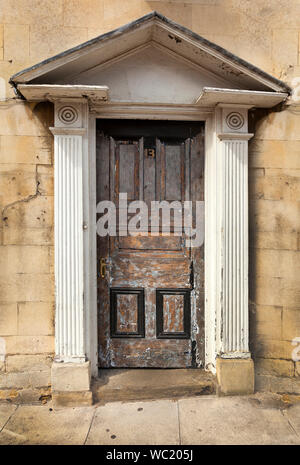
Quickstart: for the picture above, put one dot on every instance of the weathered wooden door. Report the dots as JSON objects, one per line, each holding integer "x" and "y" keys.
{"x": 150, "y": 287}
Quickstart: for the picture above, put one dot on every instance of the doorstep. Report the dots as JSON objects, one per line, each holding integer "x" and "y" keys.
{"x": 129, "y": 384}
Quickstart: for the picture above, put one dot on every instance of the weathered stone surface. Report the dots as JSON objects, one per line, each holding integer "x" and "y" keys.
{"x": 111, "y": 423}
{"x": 214, "y": 19}
{"x": 20, "y": 12}
{"x": 274, "y": 216}
{"x": 16, "y": 39}
{"x": 147, "y": 384}
{"x": 8, "y": 319}
{"x": 235, "y": 376}
{"x": 70, "y": 376}
{"x": 59, "y": 38}
{"x": 31, "y": 212}
{"x": 36, "y": 318}
{"x": 20, "y": 363}
{"x": 23, "y": 119}
{"x": 29, "y": 345}
{"x": 282, "y": 385}
{"x": 26, "y": 144}
{"x": 26, "y": 149}
{"x": 72, "y": 399}
{"x": 30, "y": 379}
{"x": 16, "y": 182}
{"x": 274, "y": 291}
{"x": 291, "y": 323}
{"x": 73, "y": 16}
{"x": 269, "y": 348}
{"x": 244, "y": 420}
{"x": 273, "y": 240}
{"x": 45, "y": 178}
{"x": 29, "y": 259}
{"x": 22, "y": 287}
{"x": 28, "y": 236}
{"x": 266, "y": 321}
{"x": 274, "y": 367}
{"x": 274, "y": 153}
{"x": 6, "y": 411}
{"x": 39, "y": 425}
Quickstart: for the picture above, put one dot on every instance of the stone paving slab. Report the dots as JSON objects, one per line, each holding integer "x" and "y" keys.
{"x": 6, "y": 410}
{"x": 42, "y": 425}
{"x": 136, "y": 423}
{"x": 234, "y": 420}
{"x": 293, "y": 415}
{"x": 256, "y": 419}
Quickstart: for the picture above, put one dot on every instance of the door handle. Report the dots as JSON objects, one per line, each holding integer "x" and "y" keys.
{"x": 102, "y": 268}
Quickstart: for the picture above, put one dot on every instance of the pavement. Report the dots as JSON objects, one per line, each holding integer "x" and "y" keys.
{"x": 257, "y": 419}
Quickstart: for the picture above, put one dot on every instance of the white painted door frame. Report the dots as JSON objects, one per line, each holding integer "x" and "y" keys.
{"x": 226, "y": 226}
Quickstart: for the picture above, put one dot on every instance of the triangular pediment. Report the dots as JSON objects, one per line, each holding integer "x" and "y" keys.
{"x": 150, "y": 73}
{"x": 152, "y": 60}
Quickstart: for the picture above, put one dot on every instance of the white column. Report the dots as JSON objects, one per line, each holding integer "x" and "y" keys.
{"x": 233, "y": 159}
{"x": 68, "y": 201}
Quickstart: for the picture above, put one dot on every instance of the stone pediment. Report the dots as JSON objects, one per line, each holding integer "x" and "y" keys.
{"x": 151, "y": 60}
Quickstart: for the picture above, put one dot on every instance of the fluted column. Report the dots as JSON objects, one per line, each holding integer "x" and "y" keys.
{"x": 68, "y": 199}
{"x": 233, "y": 158}
{"x": 234, "y": 366}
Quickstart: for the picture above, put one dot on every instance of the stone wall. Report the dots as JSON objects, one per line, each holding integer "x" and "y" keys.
{"x": 264, "y": 33}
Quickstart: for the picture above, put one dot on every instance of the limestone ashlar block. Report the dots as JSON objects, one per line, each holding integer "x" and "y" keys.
{"x": 274, "y": 367}
{"x": 72, "y": 399}
{"x": 215, "y": 19}
{"x": 23, "y": 380}
{"x": 33, "y": 287}
{"x": 88, "y": 15}
{"x": 24, "y": 363}
{"x": 70, "y": 376}
{"x": 25, "y": 119}
{"x": 274, "y": 240}
{"x": 266, "y": 321}
{"x": 16, "y": 42}
{"x": 235, "y": 376}
{"x": 276, "y": 263}
{"x": 277, "y": 184}
{"x": 59, "y": 38}
{"x": 274, "y": 216}
{"x": 274, "y": 153}
{"x": 31, "y": 12}
{"x": 278, "y": 384}
{"x": 28, "y": 236}
{"x": 30, "y": 345}
{"x": 291, "y": 323}
{"x": 8, "y": 319}
{"x": 272, "y": 349}
{"x": 31, "y": 212}
{"x": 36, "y": 318}
{"x": 26, "y": 149}
{"x": 281, "y": 125}
{"x": 17, "y": 182}
{"x": 24, "y": 259}
{"x": 45, "y": 178}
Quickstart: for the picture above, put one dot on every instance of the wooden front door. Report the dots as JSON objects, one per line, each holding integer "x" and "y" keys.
{"x": 150, "y": 286}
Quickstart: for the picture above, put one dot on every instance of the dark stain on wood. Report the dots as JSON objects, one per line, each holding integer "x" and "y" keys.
{"x": 151, "y": 263}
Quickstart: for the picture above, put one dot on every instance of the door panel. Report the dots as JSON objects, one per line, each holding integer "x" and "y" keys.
{"x": 151, "y": 298}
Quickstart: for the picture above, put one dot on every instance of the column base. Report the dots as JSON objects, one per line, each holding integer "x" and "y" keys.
{"x": 71, "y": 384}
{"x": 235, "y": 376}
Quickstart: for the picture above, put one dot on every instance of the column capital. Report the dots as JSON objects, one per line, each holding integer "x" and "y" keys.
{"x": 233, "y": 119}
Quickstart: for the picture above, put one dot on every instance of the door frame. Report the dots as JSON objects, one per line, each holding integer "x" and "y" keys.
{"x": 181, "y": 113}
{"x": 226, "y": 226}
